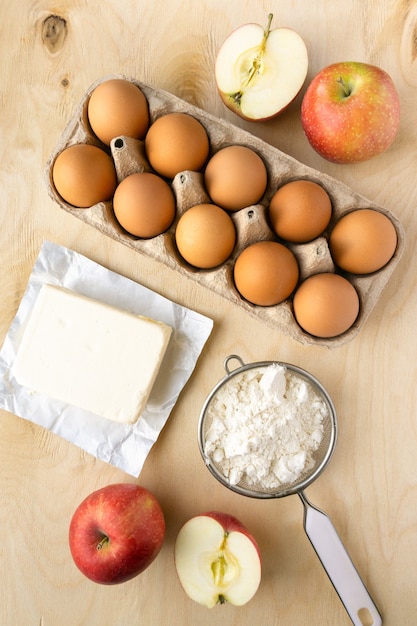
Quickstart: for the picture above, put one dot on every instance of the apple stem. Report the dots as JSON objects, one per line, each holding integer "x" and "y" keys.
{"x": 346, "y": 90}
{"x": 256, "y": 63}
{"x": 268, "y": 29}
{"x": 102, "y": 543}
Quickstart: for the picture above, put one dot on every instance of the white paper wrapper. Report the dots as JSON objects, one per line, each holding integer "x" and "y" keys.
{"x": 125, "y": 446}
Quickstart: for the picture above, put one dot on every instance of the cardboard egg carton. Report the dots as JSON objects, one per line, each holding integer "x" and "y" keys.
{"x": 251, "y": 222}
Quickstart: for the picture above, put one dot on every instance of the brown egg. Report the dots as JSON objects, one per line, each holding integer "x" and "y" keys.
{"x": 235, "y": 177}
{"x": 176, "y": 142}
{"x": 326, "y": 305}
{"x": 266, "y": 273}
{"x": 84, "y": 175}
{"x": 300, "y": 211}
{"x": 363, "y": 241}
{"x": 118, "y": 107}
{"x": 144, "y": 205}
{"x": 205, "y": 236}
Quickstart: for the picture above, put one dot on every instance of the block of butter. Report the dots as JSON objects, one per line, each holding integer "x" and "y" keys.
{"x": 90, "y": 355}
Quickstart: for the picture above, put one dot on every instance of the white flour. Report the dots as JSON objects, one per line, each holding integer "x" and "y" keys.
{"x": 266, "y": 424}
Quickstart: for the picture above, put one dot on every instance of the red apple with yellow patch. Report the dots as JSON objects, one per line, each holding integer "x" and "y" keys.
{"x": 116, "y": 533}
{"x": 350, "y": 112}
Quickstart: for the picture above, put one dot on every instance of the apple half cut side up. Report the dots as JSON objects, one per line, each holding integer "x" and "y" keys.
{"x": 260, "y": 72}
{"x": 217, "y": 565}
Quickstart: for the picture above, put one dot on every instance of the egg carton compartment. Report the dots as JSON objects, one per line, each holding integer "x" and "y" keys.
{"x": 251, "y": 222}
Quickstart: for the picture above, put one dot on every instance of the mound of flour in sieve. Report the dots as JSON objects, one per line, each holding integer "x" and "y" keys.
{"x": 266, "y": 424}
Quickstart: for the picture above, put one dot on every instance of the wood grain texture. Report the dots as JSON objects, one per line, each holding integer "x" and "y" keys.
{"x": 51, "y": 53}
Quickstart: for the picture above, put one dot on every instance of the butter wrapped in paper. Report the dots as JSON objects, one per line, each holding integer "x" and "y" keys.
{"x": 125, "y": 446}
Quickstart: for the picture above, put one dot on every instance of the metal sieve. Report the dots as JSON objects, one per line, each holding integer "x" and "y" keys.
{"x": 317, "y": 525}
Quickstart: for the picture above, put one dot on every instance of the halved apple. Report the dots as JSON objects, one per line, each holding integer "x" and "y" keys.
{"x": 260, "y": 72}
{"x": 217, "y": 560}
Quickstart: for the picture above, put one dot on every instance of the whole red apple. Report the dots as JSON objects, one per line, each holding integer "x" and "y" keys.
{"x": 116, "y": 532}
{"x": 350, "y": 112}
{"x": 217, "y": 560}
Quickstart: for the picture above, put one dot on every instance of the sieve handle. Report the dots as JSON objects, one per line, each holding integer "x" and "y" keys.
{"x": 339, "y": 567}
{"x": 232, "y": 357}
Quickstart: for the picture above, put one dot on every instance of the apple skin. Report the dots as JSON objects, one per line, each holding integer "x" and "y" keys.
{"x": 217, "y": 560}
{"x": 259, "y": 72}
{"x": 231, "y": 524}
{"x": 116, "y": 533}
{"x": 354, "y": 121}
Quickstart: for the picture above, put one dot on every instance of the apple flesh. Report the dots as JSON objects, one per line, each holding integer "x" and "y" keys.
{"x": 217, "y": 560}
{"x": 260, "y": 72}
{"x": 350, "y": 112}
{"x": 116, "y": 533}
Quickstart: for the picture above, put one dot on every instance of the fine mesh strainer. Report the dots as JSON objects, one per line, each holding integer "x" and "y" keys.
{"x": 317, "y": 525}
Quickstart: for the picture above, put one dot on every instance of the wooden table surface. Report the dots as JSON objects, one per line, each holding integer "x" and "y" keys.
{"x": 51, "y": 53}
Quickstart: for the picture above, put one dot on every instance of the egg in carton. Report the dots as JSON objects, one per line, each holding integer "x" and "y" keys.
{"x": 251, "y": 223}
